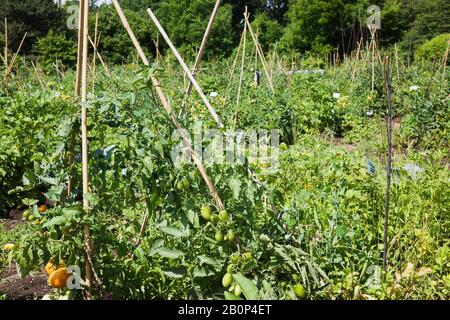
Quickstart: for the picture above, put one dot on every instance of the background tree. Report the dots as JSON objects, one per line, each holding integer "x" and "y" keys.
{"x": 37, "y": 17}
{"x": 115, "y": 44}
{"x": 431, "y": 18}
{"x": 314, "y": 24}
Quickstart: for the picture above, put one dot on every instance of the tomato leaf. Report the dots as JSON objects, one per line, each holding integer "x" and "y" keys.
{"x": 169, "y": 253}
{"x": 29, "y": 202}
{"x": 177, "y": 233}
{"x": 249, "y": 289}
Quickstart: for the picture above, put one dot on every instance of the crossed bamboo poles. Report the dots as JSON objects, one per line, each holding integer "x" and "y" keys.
{"x": 81, "y": 86}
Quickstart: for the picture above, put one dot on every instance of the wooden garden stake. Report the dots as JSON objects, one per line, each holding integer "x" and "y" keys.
{"x": 445, "y": 59}
{"x": 244, "y": 36}
{"x": 389, "y": 159}
{"x": 201, "y": 52}
{"x": 37, "y": 75}
{"x": 185, "y": 68}
{"x": 80, "y": 48}
{"x": 84, "y": 143}
{"x": 105, "y": 67}
{"x": 6, "y": 44}
{"x": 13, "y": 61}
{"x": 396, "y": 62}
{"x": 77, "y": 88}
{"x": 94, "y": 44}
{"x": 166, "y": 106}
{"x": 260, "y": 52}
{"x": 232, "y": 70}
{"x": 372, "y": 44}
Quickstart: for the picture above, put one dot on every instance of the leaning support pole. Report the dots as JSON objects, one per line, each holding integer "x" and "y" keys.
{"x": 389, "y": 158}
{"x": 241, "y": 76}
{"x": 13, "y": 61}
{"x": 84, "y": 144}
{"x": 201, "y": 52}
{"x": 105, "y": 67}
{"x": 94, "y": 58}
{"x": 166, "y": 106}
{"x": 260, "y": 53}
{"x": 185, "y": 68}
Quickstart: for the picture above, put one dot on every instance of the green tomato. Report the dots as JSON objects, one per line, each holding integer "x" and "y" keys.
{"x": 230, "y": 268}
{"x": 283, "y": 146}
{"x": 206, "y": 213}
{"x": 227, "y": 280}
{"x": 183, "y": 184}
{"x": 237, "y": 290}
{"x": 214, "y": 219}
{"x": 230, "y": 235}
{"x": 219, "y": 236}
{"x": 31, "y": 217}
{"x": 248, "y": 256}
{"x": 299, "y": 291}
{"x": 223, "y": 216}
{"x": 234, "y": 259}
{"x": 26, "y": 214}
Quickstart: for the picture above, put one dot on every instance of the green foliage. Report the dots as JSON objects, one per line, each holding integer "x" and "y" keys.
{"x": 313, "y": 24}
{"x": 115, "y": 44}
{"x": 431, "y": 19}
{"x": 139, "y": 5}
{"x": 269, "y": 31}
{"x": 326, "y": 232}
{"x": 434, "y": 49}
{"x": 56, "y": 49}
{"x": 185, "y": 21}
{"x": 36, "y": 17}
{"x": 29, "y": 124}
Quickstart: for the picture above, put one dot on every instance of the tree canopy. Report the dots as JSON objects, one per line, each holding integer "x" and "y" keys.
{"x": 295, "y": 26}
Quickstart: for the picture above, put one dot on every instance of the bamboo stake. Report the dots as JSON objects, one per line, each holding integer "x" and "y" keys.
{"x": 243, "y": 60}
{"x": 389, "y": 159}
{"x": 445, "y": 60}
{"x": 13, "y": 61}
{"x": 186, "y": 69}
{"x": 372, "y": 43}
{"x": 37, "y": 75}
{"x": 261, "y": 55}
{"x": 166, "y": 106}
{"x": 80, "y": 48}
{"x": 233, "y": 68}
{"x": 396, "y": 62}
{"x": 84, "y": 146}
{"x": 3, "y": 59}
{"x": 201, "y": 51}
{"x": 6, "y": 43}
{"x": 94, "y": 44}
{"x": 356, "y": 60}
{"x": 77, "y": 87}
{"x": 105, "y": 67}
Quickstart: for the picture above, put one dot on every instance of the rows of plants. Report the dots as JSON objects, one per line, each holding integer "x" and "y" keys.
{"x": 324, "y": 240}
